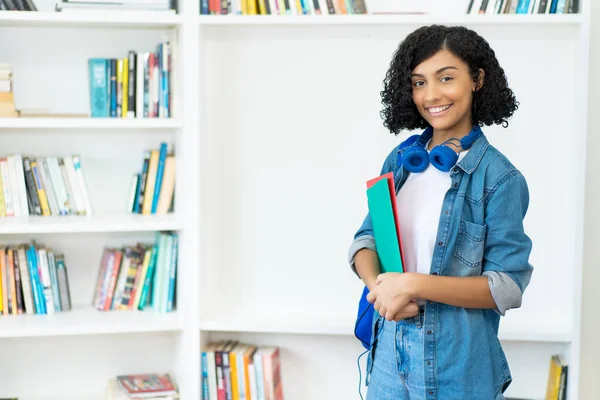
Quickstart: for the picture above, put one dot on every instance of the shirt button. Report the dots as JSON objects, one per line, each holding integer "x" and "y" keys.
{"x": 435, "y": 273}
{"x": 428, "y": 362}
{"x": 446, "y": 212}
{"x": 440, "y": 243}
{"x": 431, "y": 392}
{"x": 456, "y": 185}
{"x": 429, "y": 332}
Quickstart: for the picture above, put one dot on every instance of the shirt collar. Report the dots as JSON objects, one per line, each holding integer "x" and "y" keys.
{"x": 472, "y": 159}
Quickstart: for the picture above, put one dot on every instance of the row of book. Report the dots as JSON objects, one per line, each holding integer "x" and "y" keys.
{"x": 138, "y": 277}
{"x": 33, "y": 280}
{"x": 152, "y": 189}
{"x": 557, "y": 378}
{"x": 237, "y": 370}
{"x": 136, "y": 86}
{"x": 282, "y": 7}
{"x": 143, "y": 386}
{"x": 523, "y": 7}
{"x": 17, "y": 5}
{"x": 43, "y": 186}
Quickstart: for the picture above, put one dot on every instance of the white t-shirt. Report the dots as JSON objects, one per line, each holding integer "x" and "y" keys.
{"x": 419, "y": 204}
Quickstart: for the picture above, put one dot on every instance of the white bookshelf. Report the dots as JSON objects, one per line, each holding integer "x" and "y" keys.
{"x": 261, "y": 259}
{"x": 88, "y": 321}
{"x": 88, "y": 123}
{"x": 384, "y": 19}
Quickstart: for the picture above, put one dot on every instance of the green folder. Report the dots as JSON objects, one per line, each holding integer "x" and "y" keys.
{"x": 384, "y": 226}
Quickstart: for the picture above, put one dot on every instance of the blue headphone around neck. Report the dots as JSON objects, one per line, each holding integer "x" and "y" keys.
{"x": 416, "y": 158}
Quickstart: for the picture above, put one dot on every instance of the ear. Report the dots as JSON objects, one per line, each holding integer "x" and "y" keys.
{"x": 478, "y": 80}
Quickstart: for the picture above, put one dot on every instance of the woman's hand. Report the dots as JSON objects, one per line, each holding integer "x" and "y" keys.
{"x": 392, "y": 294}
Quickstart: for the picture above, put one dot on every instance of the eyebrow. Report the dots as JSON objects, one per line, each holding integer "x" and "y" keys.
{"x": 439, "y": 71}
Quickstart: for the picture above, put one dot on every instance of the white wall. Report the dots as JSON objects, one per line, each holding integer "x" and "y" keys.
{"x": 590, "y": 347}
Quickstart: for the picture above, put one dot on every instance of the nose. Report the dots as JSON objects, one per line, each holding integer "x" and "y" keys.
{"x": 432, "y": 93}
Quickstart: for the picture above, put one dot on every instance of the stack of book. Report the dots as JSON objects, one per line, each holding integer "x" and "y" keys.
{"x": 136, "y": 86}
{"x": 123, "y": 5}
{"x": 236, "y": 370}
{"x": 283, "y": 7}
{"x": 143, "y": 386}
{"x": 152, "y": 188}
{"x": 44, "y": 186}
{"x": 523, "y": 7}
{"x": 138, "y": 277}
{"x": 7, "y": 96}
{"x": 33, "y": 280}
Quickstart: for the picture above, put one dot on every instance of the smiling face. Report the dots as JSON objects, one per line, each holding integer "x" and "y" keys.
{"x": 443, "y": 92}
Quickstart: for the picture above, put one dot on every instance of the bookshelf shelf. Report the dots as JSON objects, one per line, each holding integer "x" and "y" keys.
{"x": 87, "y": 321}
{"x": 396, "y": 19}
{"x": 88, "y": 123}
{"x": 92, "y": 19}
{"x": 88, "y": 224}
{"x": 344, "y": 326}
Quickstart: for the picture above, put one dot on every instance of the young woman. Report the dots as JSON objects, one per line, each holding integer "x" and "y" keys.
{"x": 461, "y": 205}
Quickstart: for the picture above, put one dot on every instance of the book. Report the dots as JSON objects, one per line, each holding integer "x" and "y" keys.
{"x": 381, "y": 196}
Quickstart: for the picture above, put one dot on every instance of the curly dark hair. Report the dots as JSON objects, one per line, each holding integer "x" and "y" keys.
{"x": 493, "y": 103}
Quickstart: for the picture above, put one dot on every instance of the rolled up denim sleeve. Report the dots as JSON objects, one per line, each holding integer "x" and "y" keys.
{"x": 507, "y": 247}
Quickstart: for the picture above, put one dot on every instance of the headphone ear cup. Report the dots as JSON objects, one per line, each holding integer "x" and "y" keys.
{"x": 443, "y": 158}
{"x": 416, "y": 159}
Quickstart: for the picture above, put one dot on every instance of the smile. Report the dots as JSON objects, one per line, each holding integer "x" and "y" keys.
{"x": 435, "y": 111}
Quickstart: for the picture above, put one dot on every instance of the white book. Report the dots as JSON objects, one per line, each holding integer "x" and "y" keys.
{"x": 73, "y": 181}
{"x": 14, "y": 187}
{"x": 62, "y": 197}
{"x": 68, "y": 187}
{"x": 48, "y": 186}
{"x": 6, "y": 187}
{"x": 82, "y": 186}
{"x": 22, "y": 188}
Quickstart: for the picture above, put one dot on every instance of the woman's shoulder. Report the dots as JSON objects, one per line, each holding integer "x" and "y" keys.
{"x": 496, "y": 168}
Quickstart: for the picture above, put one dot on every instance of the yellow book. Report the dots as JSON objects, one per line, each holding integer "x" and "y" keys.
{"x": 140, "y": 284}
{"x": 125, "y": 87}
{"x": 10, "y": 265}
{"x": 40, "y": 189}
{"x": 150, "y": 182}
{"x": 119, "y": 87}
{"x": 2, "y": 280}
{"x": 251, "y": 7}
{"x": 235, "y": 393}
{"x": 554, "y": 377}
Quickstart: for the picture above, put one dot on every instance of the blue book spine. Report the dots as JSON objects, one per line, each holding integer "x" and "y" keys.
{"x": 38, "y": 277}
{"x": 99, "y": 77}
{"x": 553, "y": 6}
{"x": 165, "y": 78}
{"x": 149, "y": 277}
{"x": 54, "y": 281}
{"x": 173, "y": 273}
{"x": 33, "y": 282}
{"x": 113, "y": 87}
{"x": 523, "y": 6}
{"x": 159, "y": 175}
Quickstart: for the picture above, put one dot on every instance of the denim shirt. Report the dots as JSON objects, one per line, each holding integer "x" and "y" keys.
{"x": 480, "y": 232}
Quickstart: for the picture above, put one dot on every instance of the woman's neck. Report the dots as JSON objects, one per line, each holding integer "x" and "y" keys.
{"x": 458, "y": 131}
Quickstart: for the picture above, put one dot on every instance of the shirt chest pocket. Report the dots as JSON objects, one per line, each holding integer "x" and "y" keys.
{"x": 470, "y": 244}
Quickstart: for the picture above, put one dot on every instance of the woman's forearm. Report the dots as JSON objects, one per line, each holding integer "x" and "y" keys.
{"x": 465, "y": 292}
{"x": 367, "y": 266}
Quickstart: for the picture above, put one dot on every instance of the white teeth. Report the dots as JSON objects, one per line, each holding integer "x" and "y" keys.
{"x": 438, "y": 109}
